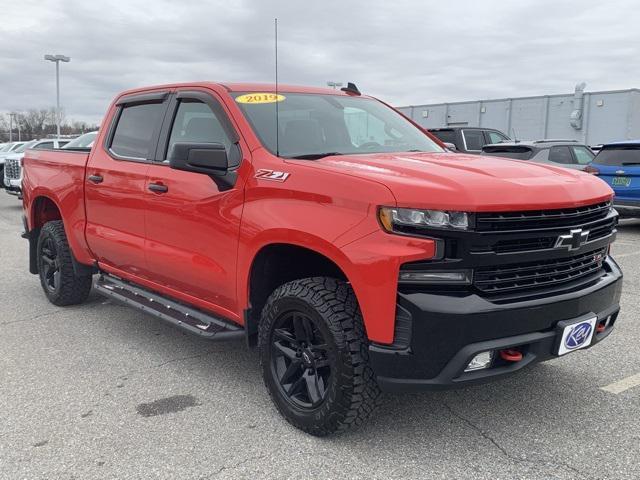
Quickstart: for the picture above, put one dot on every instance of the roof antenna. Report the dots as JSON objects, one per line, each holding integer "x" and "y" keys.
{"x": 351, "y": 89}
{"x": 277, "y": 98}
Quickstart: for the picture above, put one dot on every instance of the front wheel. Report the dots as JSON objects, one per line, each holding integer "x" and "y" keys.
{"x": 59, "y": 281}
{"x": 314, "y": 356}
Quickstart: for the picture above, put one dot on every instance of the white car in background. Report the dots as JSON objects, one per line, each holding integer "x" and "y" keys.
{"x": 83, "y": 142}
{"x": 13, "y": 162}
{"x": 7, "y": 149}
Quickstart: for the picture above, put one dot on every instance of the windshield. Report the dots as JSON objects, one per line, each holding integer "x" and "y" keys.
{"x": 618, "y": 156}
{"x": 5, "y": 147}
{"x": 83, "y": 141}
{"x": 313, "y": 126}
{"x": 22, "y": 148}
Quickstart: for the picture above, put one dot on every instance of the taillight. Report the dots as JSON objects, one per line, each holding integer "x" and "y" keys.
{"x": 592, "y": 170}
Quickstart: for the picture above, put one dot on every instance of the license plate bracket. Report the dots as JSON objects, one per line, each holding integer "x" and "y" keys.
{"x": 575, "y": 334}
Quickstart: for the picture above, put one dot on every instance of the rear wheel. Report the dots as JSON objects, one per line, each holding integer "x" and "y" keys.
{"x": 314, "y": 356}
{"x": 55, "y": 266}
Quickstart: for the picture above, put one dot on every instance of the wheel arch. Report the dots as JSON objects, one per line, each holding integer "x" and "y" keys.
{"x": 280, "y": 261}
{"x": 44, "y": 209}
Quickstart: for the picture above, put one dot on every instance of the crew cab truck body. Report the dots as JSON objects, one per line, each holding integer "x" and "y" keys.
{"x": 331, "y": 231}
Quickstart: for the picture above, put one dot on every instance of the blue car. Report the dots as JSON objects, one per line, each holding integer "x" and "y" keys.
{"x": 618, "y": 164}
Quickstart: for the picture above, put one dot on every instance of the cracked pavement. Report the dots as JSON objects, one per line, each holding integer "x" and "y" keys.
{"x": 72, "y": 381}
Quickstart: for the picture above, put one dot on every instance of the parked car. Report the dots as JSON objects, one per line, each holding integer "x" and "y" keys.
{"x": 469, "y": 139}
{"x": 84, "y": 141}
{"x": 352, "y": 249}
{"x": 618, "y": 164}
{"x": 7, "y": 149}
{"x": 12, "y": 174}
{"x": 562, "y": 153}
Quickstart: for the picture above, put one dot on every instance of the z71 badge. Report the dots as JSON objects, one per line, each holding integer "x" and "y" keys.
{"x": 272, "y": 175}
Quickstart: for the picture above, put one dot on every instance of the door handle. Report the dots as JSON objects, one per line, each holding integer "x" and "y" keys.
{"x": 158, "y": 188}
{"x": 95, "y": 178}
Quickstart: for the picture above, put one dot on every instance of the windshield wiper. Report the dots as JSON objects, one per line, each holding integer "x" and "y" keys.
{"x": 630, "y": 163}
{"x": 316, "y": 156}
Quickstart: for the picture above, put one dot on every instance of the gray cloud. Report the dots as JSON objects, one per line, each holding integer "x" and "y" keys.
{"x": 405, "y": 52}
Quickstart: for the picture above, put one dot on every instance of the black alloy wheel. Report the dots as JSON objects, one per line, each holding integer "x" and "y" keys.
{"x": 49, "y": 265}
{"x": 299, "y": 360}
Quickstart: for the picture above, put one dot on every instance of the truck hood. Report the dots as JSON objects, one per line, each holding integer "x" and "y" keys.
{"x": 474, "y": 183}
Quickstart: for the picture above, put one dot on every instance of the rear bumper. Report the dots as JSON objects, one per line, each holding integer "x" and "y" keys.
{"x": 627, "y": 208}
{"x": 448, "y": 331}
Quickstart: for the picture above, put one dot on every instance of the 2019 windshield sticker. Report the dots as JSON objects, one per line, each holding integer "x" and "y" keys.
{"x": 260, "y": 98}
{"x": 272, "y": 175}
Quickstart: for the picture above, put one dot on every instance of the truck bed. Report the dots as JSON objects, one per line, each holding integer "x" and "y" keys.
{"x": 58, "y": 175}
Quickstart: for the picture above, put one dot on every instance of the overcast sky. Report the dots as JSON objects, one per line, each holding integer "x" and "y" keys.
{"x": 405, "y": 52}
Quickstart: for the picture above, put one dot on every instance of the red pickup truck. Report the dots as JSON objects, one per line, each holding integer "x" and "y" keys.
{"x": 329, "y": 230}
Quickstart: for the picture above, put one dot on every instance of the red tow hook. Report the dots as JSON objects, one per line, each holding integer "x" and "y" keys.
{"x": 601, "y": 327}
{"x": 511, "y": 355}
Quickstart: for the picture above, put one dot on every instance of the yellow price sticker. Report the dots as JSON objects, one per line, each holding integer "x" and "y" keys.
{"x": 260, "y": 98}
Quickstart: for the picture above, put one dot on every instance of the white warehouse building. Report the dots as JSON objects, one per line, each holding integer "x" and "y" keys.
{"x": 589, "y": 117}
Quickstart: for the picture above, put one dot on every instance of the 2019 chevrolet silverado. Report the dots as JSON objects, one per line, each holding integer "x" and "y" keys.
{"x": 332, "y": 232}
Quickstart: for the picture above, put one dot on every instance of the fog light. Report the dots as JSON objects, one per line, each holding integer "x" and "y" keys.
{"x": 480, "y": 361}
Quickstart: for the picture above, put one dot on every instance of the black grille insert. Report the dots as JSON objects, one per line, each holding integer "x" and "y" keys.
{"x": 541, "y": 219}
{"x": 533, "y": 275}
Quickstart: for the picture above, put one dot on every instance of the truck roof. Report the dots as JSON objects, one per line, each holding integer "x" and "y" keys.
{"x": 242, "y": 87}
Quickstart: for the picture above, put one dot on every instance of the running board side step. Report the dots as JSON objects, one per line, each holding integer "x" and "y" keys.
{"x": 186, "y": 318}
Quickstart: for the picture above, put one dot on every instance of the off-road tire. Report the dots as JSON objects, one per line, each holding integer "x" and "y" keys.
{"x": 68, "y": 288}
{"x": 351, "y": 392}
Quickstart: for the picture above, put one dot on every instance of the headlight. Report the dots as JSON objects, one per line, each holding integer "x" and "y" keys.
{"x": 394, "y": 219}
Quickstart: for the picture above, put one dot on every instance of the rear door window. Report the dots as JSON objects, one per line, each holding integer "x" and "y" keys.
{"x": 618, "y": 157}
{"x": 473, "y": 139}
{"x": 560, "y": 154}
{"x": 136, "y": 129}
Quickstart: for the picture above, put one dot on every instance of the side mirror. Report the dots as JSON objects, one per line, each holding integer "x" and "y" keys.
{"x": 450, "y": 146}
{"x": 208, "y": 158}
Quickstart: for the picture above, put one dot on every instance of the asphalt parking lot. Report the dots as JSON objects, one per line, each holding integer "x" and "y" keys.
{"x": 102, "y": 391}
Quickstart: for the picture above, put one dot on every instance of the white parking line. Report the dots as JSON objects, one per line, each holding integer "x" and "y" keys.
{"x": 622, "y": 385}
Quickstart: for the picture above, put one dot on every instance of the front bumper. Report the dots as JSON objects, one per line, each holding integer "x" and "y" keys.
{"x": 448, "y": 330}
{"x": 627, "y": 208}
{"x": 13, "y": 187}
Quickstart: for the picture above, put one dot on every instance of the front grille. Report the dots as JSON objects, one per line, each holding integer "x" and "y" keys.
{"x": 535, "y": 275}
{"x": 547, "y": 239}
{"x": 12, "y": 169}
{"x": 541, "y": 219}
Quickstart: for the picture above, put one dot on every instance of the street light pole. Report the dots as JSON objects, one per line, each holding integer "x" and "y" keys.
{"x": 11, "y": 127}
{"x": 57, "y": 59}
